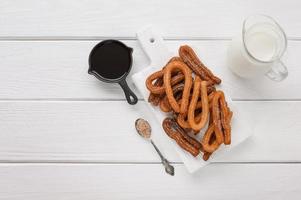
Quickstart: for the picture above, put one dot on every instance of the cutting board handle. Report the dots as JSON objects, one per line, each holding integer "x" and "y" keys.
{"x": 153, "y": 45}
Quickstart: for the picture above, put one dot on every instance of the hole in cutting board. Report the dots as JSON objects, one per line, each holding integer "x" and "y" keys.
{"x": 152, "y": 40}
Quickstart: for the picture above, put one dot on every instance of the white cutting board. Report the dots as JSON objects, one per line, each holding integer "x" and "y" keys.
{"x": 158, "y": 53}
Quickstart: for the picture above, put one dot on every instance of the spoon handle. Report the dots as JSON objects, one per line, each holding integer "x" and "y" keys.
{"x": 168, "y": 168}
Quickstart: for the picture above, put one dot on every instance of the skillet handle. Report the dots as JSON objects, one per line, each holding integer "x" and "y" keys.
{"x": 129, "y": 94}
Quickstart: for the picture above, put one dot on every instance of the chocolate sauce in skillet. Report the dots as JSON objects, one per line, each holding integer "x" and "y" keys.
{"x": 111, "y": 61}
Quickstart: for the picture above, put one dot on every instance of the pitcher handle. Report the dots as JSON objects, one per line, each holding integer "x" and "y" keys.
{"x": 278, "y": 72}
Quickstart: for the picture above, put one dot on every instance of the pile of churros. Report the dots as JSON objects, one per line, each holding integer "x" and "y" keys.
{"x": 185, "y": 88}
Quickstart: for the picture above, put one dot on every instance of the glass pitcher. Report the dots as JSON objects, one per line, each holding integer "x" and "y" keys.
{"x": 258, "y": 50}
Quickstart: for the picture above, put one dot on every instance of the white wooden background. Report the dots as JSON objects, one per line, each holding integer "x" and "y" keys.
{"x": 65, "y": 135}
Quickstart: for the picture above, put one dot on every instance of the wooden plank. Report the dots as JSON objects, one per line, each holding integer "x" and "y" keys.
{"x": 136, "y": 181}
{"x": 104, "y": 132}
{"x": 96, "y": 18}
{"x": 58, "y": 70}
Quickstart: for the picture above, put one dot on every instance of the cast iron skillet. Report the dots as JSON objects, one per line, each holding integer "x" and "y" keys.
{"x": 111, "y": 61}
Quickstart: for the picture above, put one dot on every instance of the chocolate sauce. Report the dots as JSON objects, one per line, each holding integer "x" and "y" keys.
{"x": 111, "y": 60}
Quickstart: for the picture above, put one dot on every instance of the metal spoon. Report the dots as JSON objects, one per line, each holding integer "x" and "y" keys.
{"x": 144, "y": 130}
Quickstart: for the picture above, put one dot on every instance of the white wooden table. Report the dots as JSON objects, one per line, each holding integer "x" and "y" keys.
{"x": 65, "y": 135}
